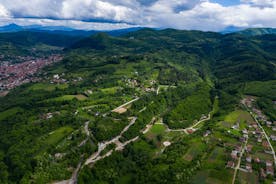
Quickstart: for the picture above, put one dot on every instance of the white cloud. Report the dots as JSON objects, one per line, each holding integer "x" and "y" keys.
{"x": 76, "y": 24}
{"x": 181, "y": 14}
{"x": 32, "y": 8}
{"x": 4, "y": 12}
{"x": 209, "y": 16}
{"x": 95, "y": 9}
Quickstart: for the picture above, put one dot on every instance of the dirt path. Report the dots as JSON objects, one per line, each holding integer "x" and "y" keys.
{"x": 86, "y": 128}
{"x": 148, "y": 126}
{"x": 101, "y": 146}
{"x": 191, "y": 127}
{"x": 119, "y": 146}
{"x": 74, "y": 177}
{"x": 125, "y": 104}
{"x": 157, "y": 91}
{"x": 116, "y": 140}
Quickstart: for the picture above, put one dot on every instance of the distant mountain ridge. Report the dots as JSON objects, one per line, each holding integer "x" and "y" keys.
{"x": 63, "y": 30}
{"x": 11, "y": 28}
{"x": 248, "y": 31}
{"x": 258, "y": 31}
{"x": 232, "y": 29}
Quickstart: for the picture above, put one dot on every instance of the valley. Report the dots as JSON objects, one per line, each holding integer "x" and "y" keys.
{"x": 150, "y": 106}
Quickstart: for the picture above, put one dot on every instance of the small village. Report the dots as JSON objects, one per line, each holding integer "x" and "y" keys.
{"x": 254, "y": 153}
{"x": 13, "y": 75}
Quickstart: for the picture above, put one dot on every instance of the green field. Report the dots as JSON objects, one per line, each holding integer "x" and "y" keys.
{"x": 217, "y": 155}
{"x": 196, "y": 149}
{"x": 9, "y": 113}
{"x": 213, "y": 177}
{"x": 111, "y": 90}
{"x": 69, "y": 97}
{"x": 157, "y": 129}
{"x": 246, "y": 178}
{"x": 237, "y": 116}
{"x": 47, "y": 87}
{"x": 54, "y": 137}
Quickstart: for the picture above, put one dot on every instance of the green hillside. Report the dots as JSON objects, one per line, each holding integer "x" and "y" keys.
{"x": 183, "y": 83}
{"x": 33, "y": 43}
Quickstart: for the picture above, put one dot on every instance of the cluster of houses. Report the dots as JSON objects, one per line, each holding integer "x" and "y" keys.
{"x": 49, "y": 115}
{"x": 252, "y": 132}
{"x": 248, "y": 101}
{"x": 13, "y": 75}
{"x": 135, "y": 83}
{"x": 131, "y": 82}
{"x": 234, "y": 156}
{"x": 59, "y": 79}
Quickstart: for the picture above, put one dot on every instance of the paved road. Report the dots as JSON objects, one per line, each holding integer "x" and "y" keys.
{"x": 239, "y": 162}
{"x": 267, "y": 138}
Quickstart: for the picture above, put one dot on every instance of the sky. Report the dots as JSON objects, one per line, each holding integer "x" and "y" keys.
{"x": 206, "y": 15}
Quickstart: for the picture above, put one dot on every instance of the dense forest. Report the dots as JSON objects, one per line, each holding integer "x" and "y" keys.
{"x": 177, "y": 78}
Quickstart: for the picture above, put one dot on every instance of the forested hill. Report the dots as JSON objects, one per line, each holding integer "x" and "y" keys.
{"x": 26, "y": 43}
{"x": 232, "y": 57}
{"x": 258, "y": 31}
{"x": 151, "y": 106}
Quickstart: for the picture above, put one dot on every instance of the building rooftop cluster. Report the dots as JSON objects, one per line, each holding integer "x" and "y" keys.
{"x": 13, "y": 75}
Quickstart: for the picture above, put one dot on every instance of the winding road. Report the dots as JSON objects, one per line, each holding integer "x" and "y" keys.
{"x": 190, "y": 128}
{"x": 119, "y": 146}
{"x": 116, "y": 140}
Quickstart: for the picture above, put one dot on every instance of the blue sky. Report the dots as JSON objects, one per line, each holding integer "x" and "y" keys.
{"x": 227, "y": 2}
{"x": 206, "y": 15}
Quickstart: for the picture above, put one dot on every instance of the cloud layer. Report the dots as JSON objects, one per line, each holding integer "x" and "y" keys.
{"x": 112, "y": 14}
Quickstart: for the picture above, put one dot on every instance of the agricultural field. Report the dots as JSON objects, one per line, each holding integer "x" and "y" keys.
{"x": 69, "y": 97}
{"x": 48, "y": 87}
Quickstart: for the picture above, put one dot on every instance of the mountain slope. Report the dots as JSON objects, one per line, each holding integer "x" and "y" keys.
{"x": 146, "y": 107}
{"x": 26, "y": 43}
{"x": 258, "y": 31}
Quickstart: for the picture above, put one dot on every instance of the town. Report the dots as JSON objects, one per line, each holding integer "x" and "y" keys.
{"x": 13, "y": 74}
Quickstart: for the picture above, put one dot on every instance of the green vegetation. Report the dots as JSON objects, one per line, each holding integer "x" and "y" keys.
{"x": 238, "y": 116}
{"x": 47, "y": 128}
{"x": 69, "y": 97}
{"x": 268, "y": 107}
{"x": 261, "y": 89}
{"x": 54, "y": 137}
{"x": 190, "y": 109}
{"x": 47, "y": 87}
{"x": 9, "y": 113}
{"x": 27, "y": 43}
